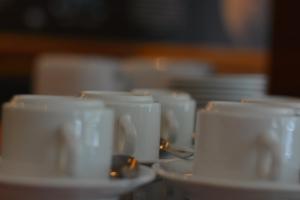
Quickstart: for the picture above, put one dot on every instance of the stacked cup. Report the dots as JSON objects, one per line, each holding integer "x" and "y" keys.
{"x": 247, "y": 142}
{"x": 59, "y": 147}
{"x": 137, "y": 121}
{"x": 57, "y": 136}
{"x": 177, "y": 116}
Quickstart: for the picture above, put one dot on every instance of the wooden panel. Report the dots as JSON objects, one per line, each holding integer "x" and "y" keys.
{"x": 19, "y": 52}
{"x": 15, "y": 65}
{"x": 225, "y": 60}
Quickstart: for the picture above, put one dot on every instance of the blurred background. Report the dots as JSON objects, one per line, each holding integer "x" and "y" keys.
{"x": 126, "y": 39}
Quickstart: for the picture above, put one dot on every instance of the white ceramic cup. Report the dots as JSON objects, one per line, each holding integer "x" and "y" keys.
{"x": 247, "y": 142}
{"x": 51, "y": 135}
{"x": 137, "y": 123}
{"x": 178, "y": 115}
{"x": 67, "y": 74}
{"x": 277, "y": 101}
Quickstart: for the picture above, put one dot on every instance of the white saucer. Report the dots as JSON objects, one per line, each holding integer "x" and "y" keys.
{"x": 15, "y": 187}
{"x": 179, "y": 174}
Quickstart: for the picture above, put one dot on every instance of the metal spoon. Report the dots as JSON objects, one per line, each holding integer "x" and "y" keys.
{"x": 165, "y": 147}
{"x": 124, "y": 166}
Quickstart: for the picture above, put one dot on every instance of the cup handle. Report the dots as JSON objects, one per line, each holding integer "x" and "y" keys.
{"x": 70, "y": 144}
{"x": 128, "y": 135}
{"x": 171, "y": 125}
{"x": 268, "y": 146}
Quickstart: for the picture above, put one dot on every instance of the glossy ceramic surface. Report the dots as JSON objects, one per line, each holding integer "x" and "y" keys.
{"x": 144, "y": 115}
{"x": 158, "y": 72}
{"x": 277, "y": 101}
{"x": 178, "y": 173}
{"x": 75, "y": 73}
{"x": 61, "y": 135}
{"x": 178, "y": 113}
{"x": 17, "y": 186}
{"x": 247, "y": 142}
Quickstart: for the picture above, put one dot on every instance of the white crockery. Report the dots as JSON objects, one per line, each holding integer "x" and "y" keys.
{"x": 226, "y": 81}
{"x": 276, "y": 101}
{"x": 137, "y": 123}
{"x": 247, "y": 142}
{"x": 179, "y": 174}
{"x": 247, "y": 109}
{"x": 158, "y": 72}
{"x": 57, "y": 136}
{"x": 67, "y": 74}
{"x": 16, "y": 186}
{"x": 178, "y": 113}
{"x": 224, "y": 87}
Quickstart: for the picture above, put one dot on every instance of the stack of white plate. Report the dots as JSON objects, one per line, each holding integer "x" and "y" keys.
{"x": 222, "y": 87}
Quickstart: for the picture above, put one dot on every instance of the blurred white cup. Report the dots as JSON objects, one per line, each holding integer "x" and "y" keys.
{"x": 63, "y": 74}
{"x": 158, "y": 72}
{"x": 137, "y": 121}
{"x": 178, "y": 115}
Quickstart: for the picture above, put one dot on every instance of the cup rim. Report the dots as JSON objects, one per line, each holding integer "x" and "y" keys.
{"x": 244, "y": 109}
{"x": 151, "y": 91}
{"x": 291, "y": 103}
{"x": 67, "y": 61}
{"x": 164, "y": 95}
{"x": 32, "y": 101}
{"x": 175, "y": 96}
{"x": 117, "y": 96}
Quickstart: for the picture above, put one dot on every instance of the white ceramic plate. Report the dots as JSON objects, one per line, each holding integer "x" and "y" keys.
{"x": 223, "y": 81}
{"x": 179, "y": 174}
{"x": 236, "y": 97}
{"x": 237, "y": 86}
{"x": 220, "y": 91}
{"x": 227, "y": 94}
{"x": 230, "y": 78}
{"x": 15, "y": 187}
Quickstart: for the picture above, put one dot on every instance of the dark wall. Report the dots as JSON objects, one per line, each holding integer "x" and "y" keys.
{"x": 285, "y": 51}
{"x": 10, "y": 86}
{"x": 143, "y": 20}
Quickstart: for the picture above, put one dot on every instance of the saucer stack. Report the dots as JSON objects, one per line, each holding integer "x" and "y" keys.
{"x": 222, "y": 87}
